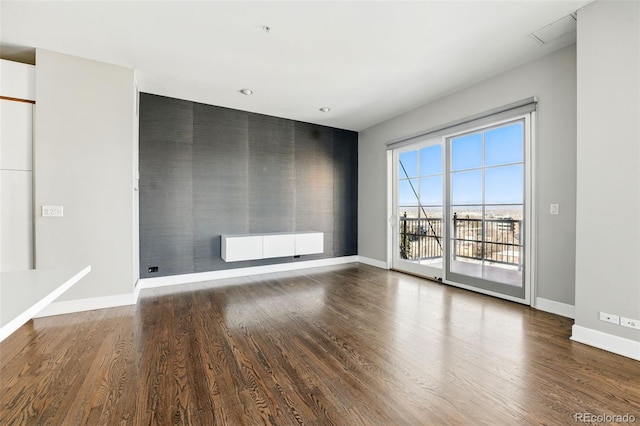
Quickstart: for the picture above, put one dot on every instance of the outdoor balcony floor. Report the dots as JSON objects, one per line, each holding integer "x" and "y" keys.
{"x": 506, "y": 274}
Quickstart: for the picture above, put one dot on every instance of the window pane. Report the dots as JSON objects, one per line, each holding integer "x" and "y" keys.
{"x": 407, "y": 190}
{"x": 409, "y": 211}
{"x": 504, "y": 244}
{"x": 466, "y": 240}
{"x": 431, "y": 191}
{"x": 504, "y": 145}
{"x": 431, "y": 160}
{"x": 466, "y": 152}
{"x": 504, "y": 185}
{"x": 408, "y": 164}
{"x": 514, "y": 211}
{"x": 466, "y": 187}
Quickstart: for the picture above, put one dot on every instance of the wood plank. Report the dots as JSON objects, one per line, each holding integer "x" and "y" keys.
{"x": 342, "y": 345}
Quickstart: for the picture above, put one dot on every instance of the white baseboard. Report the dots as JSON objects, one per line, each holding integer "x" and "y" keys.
{"x": 80, "y": 305}
{"x": 88, "y": 304}
{"x": 242, "y": 272}
{"x": 136, "y": 290}
{"x": 558, "y": 308}
{"x": 608, "y": 342}
{"x": 373, "y": 262}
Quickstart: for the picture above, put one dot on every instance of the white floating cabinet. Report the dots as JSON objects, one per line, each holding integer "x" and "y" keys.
{"x": 241, "y": 247}
{"x": 267, "y": 246}
{"x": 309, "y": 243}
{"x": 278, "y": 245}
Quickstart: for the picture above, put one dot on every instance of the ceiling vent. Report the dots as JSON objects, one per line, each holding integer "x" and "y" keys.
{"x": 563, "y": 28}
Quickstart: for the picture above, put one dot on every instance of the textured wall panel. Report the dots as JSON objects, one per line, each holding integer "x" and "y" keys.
{"x": 207, "y": 171}
{"x": 166, "y": 225}
{"x": 345, "y": 192}
{"x": 220, "y": 181}
{"x": 314, "y": 181}
{"x": 271, "y": 175}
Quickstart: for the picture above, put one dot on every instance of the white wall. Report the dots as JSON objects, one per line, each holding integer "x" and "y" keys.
{"x": 84, "y": 160}
{"x": 553, "y": 80}
{"x": 608, "y": 220}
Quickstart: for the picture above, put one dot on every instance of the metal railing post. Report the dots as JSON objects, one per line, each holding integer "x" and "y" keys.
{"x": 455, "y": 235}
{"x": 405, "y": 253}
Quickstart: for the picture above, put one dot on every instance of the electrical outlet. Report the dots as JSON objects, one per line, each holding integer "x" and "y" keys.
{"x": 52, "y": 211}
{"x": 613, "y": 319}
{"x": 631, "y": 323}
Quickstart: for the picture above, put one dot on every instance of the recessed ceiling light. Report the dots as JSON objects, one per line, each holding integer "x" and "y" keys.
{"x": 325, "y": 109}
{"x": 246, "y": 91}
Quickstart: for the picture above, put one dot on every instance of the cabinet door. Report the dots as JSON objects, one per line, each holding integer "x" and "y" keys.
{"x": 278, "y": 245}
{"x": 16, "y": 191}
{"x": 309, "y": 243}
{"x": 16, "y": 135}
{"x": 241, "y": 247}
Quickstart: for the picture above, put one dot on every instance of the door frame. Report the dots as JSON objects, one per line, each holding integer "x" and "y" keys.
{"x": 530, "y": 225}
{"x": 394, "y": 261}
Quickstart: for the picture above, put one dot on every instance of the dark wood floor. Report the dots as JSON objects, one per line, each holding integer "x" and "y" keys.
{"x": 347, "y": 345}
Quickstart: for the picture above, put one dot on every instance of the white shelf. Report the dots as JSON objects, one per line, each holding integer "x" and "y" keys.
{"x": 25, "y": 293}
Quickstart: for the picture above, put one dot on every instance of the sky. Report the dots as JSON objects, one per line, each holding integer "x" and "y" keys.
{"x": 499, "y": 160}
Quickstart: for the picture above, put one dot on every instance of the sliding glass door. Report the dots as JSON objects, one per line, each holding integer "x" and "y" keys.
{"x": 460, "y": 208}
{"x": 418, "y": 216}
{"x": 486, "y": 208}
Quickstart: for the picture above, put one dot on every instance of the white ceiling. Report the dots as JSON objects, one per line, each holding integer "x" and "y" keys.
{"x": 367, "y": 61}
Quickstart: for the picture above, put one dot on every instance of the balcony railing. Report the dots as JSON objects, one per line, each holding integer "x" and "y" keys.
{"x": 421, "y": 239}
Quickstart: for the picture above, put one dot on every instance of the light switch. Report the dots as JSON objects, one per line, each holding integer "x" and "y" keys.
{"x": 52, "y": 211}
{"x": 554, "y": 209}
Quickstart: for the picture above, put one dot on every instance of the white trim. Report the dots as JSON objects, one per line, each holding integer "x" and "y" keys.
{"x": 80, "y": 305}
{"x": 89, "y": 304}
{"x": 558, "y": 308}
{"x": 242, "y": 272}
{"x": 391, "y": 206}
{"x": 531, "y": 247}
{"x": 608, "y": 342}
{"x": 136, "y": 291}
{"x": 373, "y": 262}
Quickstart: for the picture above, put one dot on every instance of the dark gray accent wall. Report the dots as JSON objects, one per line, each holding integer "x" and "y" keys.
{"x": 207, "y": 171}
{"x": 166, "y": 186}
{"x": 314, "y": 181}
{"x": 271, "y": 165}
{"x": 345, "y": 191}
{"x": 219, "y": 187}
